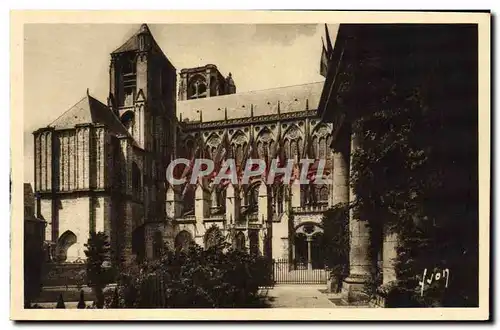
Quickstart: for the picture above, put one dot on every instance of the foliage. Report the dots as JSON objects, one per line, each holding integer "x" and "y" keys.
{"x": 34, "y": 263}
{"x": 410, "y": 178}
{"x": 335, "y": 223}
{"x": 198, "y": 278}
{"x": 98, "y": 253}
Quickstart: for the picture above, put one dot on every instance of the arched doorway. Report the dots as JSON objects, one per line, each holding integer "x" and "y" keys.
{"x": 67, "y": 239}
{"x": 183, "y": 241}
{"x": 308, "y": 246}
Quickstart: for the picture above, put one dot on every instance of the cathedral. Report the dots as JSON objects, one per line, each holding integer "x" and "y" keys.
{"x": 101, "y": 166}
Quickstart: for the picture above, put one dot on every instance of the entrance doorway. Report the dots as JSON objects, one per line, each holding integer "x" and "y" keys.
{"x": 307, "y": 250}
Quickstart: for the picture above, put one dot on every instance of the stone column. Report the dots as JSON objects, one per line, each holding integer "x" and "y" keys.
{"x": 202, "y": 204}
{"x": 359, "y": 242}
{"x": 295, "y": 198}
{"x": 340, "y": 183}
{"x": 232, "y": 204}
{"x": 389, "y": 254}
{"x": 263, "y": 204}
{"x": 309, "y": 253}
{"x": 174, "y": 204}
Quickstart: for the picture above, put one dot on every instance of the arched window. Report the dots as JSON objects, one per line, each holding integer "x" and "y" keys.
{"x": 322, "y": 194}
{"x": 239, "y": 241}
{"x": 183, "y": 241}
{"x": 188, "y": 199}
{"x": 253, "y": 198}
{"x": 253, "y": 238}
{"x": 127, "y": 120}
{"x": 213, "y": 237}
{"x": 67, "y": 239}
{"x": 197, "y": 88}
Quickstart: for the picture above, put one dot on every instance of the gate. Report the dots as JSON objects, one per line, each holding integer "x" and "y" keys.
{"x": 286, "y": 272}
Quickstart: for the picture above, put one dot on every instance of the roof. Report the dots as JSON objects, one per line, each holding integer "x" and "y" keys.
{"x": 132, "y": 43}
{"x": 263, "y": 102}
{"x": 89, "y": 111}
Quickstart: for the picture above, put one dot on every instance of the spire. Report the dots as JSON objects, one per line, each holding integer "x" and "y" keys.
{"x": 225, "y": 113}
{"x": 144, "y": 29}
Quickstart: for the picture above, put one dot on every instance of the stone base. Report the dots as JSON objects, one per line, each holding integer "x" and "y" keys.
{"x": 353, "y": 289}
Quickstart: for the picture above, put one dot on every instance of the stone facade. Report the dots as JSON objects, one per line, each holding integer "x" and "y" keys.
{"x": 101, "y": 167}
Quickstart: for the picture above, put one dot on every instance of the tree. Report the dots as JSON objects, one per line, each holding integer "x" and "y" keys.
{"x": 416, "y": 171}
{"x": 98, "y": 276}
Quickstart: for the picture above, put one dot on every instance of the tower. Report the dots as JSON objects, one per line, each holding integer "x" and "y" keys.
{"x": 204, "y": 82}
{"x": 142, "y": 95}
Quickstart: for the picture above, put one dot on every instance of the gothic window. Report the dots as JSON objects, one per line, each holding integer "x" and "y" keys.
{"x": 279, "y": 198}
{"x": 127, "y": 120}
{"x": 129, "y": 80}
{"x": 239, "y": 241}
{"x": 315, "y": 147}
{"x": 188, "y": 201}
{"x": 213, "y": 237}
{"x": 67, "y": 239}
{"x": 322, "y": 194}
{"x": 322, "y": 148}
{"x": 253, "y": 198}
{"x": 221, "y": 198}
{"x": 294, "y": 151}
{"x": 287, "y": 149}
{"x": 197, "y": 88}
{"x": 183, "y": 241}
{"x": 253, "y": 237}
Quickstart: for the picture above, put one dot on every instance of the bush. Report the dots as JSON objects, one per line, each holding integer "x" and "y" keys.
{"x": 199, "y": 278}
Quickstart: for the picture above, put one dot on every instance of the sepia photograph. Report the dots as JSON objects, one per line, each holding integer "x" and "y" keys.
{"x": 330, "y": 165}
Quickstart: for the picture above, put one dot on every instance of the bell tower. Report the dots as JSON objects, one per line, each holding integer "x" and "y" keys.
{"x": 203, "y": 82}
{"x": 143, "y": 95}
{"x": 142, "y": 87}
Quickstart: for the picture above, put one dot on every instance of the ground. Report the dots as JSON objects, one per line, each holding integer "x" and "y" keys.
{"x": 299, "y": 296}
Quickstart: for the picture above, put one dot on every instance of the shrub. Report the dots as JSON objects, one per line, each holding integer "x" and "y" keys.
{"x": 198, "y": 278}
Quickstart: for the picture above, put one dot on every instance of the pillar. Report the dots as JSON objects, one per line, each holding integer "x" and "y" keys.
{"x": 232, "y": 204}
{"x": 359, "y": 241}
{"x": 263, "y": 203}
{"x": 174, "y": 204}
{"x": 309, "y": 253}
{"x": 340, "y": 184}
{"x": 295, "y": 198}
{"x": 201, "y": 204}
{"x": 389, "y": 255}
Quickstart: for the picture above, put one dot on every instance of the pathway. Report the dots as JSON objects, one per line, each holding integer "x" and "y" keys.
{"x": 299, "y": 296}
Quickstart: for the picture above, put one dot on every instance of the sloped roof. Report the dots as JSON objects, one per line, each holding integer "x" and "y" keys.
{"x": 89, "y": 110}
{"x": 264, "y": 102}
{"x": 132, "y": 43}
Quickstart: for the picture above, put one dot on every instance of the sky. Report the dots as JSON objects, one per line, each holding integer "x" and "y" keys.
{"x": 62, "y": 60}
